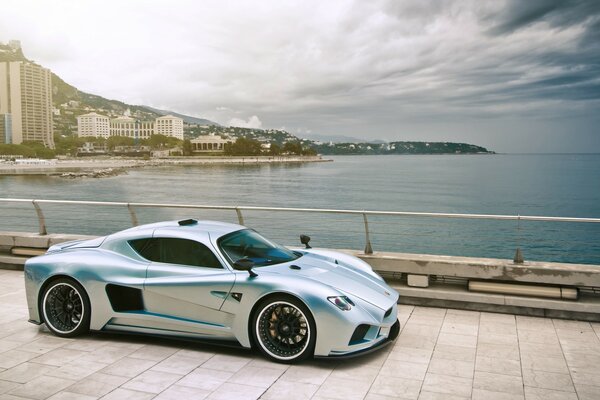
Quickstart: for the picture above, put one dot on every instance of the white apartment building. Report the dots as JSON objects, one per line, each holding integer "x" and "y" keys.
{"x": 169, "y": 125}
{"x": 93, "y": 125}
{"x": 130, "y": 127}
{"x": 26, "y": 94}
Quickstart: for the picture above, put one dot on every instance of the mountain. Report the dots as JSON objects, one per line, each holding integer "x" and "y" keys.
{"x": 332, "y": 138}
{"x": 186, "y": 118}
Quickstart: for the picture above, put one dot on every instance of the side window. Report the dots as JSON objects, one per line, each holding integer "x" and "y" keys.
{"x": 176, "y": 251}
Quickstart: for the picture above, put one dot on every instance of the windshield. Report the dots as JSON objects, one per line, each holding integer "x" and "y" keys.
{"x": 251, "y": 245}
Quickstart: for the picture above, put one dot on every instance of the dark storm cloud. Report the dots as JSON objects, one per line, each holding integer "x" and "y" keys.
{"x": 558, "y": 13}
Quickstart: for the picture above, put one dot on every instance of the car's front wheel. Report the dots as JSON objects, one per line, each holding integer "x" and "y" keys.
{"x": 284, "y": 329}
{"x": 66, "y": 308}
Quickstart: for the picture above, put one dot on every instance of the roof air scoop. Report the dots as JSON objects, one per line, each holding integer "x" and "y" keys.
{"x": 185, "y": 222}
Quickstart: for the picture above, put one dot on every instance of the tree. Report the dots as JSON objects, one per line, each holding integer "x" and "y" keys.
{"x": 186, "y": 148}
{"x": 275, "y": 149}
{"x": 292, "y": 148}
{"x": 115, "y": 141}
{"x": 244, "y": 147}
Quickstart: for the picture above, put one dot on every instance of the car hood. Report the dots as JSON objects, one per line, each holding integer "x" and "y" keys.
{"x": 346, "y": 278}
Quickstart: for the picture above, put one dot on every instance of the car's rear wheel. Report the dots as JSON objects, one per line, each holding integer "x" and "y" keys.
{"x": 283, "y": 329}
{"x": 66, "y": 308}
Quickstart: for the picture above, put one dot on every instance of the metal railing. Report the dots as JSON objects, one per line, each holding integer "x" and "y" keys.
{"x": 131, "y": 207}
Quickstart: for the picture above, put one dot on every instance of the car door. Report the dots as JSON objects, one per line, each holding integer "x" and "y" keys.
{"x": 186, "y": 284}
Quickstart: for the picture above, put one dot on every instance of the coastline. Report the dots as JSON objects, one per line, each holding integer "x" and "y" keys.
{"x": 88, "y": 166}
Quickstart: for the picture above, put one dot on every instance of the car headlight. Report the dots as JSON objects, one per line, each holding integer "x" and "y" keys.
{"x": 341, "y": 302}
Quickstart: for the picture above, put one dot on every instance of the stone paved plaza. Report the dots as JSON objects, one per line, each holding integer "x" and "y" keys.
{"x": 440, "y": 354}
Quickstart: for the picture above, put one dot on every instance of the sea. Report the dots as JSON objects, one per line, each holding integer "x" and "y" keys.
{"x": 563, "y": 185}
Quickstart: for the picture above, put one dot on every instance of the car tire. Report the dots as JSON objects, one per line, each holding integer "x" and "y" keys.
{"x": 283, "y": 329}
{"x": 65, "y": 308}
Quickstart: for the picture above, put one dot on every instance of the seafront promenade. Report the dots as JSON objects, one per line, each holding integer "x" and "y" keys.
{"x": 45, "y": 167}
{"x": 440, "y": 354}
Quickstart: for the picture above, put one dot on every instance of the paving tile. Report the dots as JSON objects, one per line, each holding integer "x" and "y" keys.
{"x": 421, "y": 330}
{"x": 435, "y": 322}
{"x": 107, "y": 354}
{"x": 177, "y": 392}
{"x": 532, "y": 336}
{"x": 71, "y": 396}
{"x": 447, "y": 384}
{"x": 128, "y": 367}
{"x": 306, "y": 374}
{"x": 450, "y": 352}
{"x": 77, "y": 369}
{"x": 498, "y": 383}
{"x": 7, "y": 386}
{"x": 457, "y": 340}
{"x": 42, "y": 387}
{"x": 396, "y": 387}
{"x": 439, "y": 396}
{"x": 256, "y": 376}
{"x": 486, "y": 317}
{"x": 587, "y": 392}
{"x": 482, "y": 394}
{"x": 532, "y": 393}
{"x": 534, "y": 323}
{"x": 44, "y": 344}
{"x": 203, "y": 378}
{"x": 152, "y": 381}
{"x": 429, "y": 312}
{"x": 572, "y": 325}
{"x": 549, "y": 350}
{"x": 290, "y": 391}
{"x": 498, "y": 366}
{"x": 492, "y": 338}
{"x": 120, "y": 394}
{"x": 542, "y": 363}
{"x": 229, "y": 391}
{"x": 463, "y": 369}
{"x": 180, "y": 363}
{"x": 11, "y": 358}
{"x": 461, "y": 329}
{"x": 25, "y": 372}
{"x": 402, "y": 369}
{"x": 224, "y": 362}
{"x": 97, "y": 384}
{"x": 497, "y": 329}
{"x": 153, "y": 352}
{"x": 409, "y": 354}
{"x": 415, "y": 341}
{"x": 349, "y": 371}
{"x": 498, "y": 351}
{"x": 342, "y": 389}
{"x": 58, "y": 357}
{"x": 588, "y": 337}
{"x": 548, "y": 380}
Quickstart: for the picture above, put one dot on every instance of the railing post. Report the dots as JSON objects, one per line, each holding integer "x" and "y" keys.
{"x": 132, "y": 214}
{"x": 518, "y": 259}
{"x": 41, "y": 218}
{"x": 368, "y": 248}
{"x": 239, "y": 215}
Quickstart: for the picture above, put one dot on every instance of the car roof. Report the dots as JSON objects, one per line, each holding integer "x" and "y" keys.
{"x": 189, "y": 226}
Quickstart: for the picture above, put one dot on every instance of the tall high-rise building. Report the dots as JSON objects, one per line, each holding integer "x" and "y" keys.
{"x": 26, "y": 94}
{"x": 94, "y": 125}
{"x": 169, "y": 125}
{"x": 5, "y": 129}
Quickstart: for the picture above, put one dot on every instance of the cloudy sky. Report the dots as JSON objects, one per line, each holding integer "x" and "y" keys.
{"x": 514, "y": 76}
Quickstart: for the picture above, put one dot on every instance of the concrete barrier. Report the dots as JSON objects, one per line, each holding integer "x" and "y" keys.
{"x": 421, "y": 279}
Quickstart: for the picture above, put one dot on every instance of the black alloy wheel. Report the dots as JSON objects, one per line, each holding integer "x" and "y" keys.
{"x": 284, "y": 329}
{"x": 66, "y": 308}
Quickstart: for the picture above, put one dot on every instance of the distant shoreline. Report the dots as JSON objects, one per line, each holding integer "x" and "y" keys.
{"x": 89, "y": 166}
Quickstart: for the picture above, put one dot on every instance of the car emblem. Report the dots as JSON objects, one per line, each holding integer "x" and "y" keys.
{"x": 386, "y": 292}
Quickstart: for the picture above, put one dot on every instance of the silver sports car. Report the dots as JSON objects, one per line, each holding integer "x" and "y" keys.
{"x": 214, "y": 281}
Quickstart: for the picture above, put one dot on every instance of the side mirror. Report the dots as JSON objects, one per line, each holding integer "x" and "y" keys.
{"x": 304, "y": 240}
{"x": 245, "y": 264}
